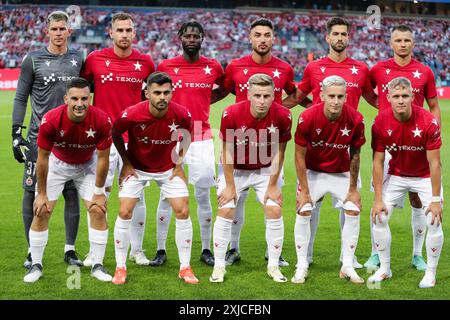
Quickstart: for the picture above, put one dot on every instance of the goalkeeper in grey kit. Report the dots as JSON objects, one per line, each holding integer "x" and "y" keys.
{"x": 43, "y": 77}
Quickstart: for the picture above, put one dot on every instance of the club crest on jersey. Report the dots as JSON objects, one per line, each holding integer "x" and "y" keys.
{"x": 354, "y": 70}
{"x": 345, "y": 131}
{"x": 137, "y": 66}
{"x": 322, "y": 69}
{"x": 90, "y": 133}
{"x": 417, "y": 74}
{"x": 272, "y": 129}
{"x": 207, "y": 70}
{"x": 73, "y": 62}
{"x": 173, "y": 126}
{"x": 318, "y": 130}
{"x": 276, "y": 73}
{"x": 417, "y": 132}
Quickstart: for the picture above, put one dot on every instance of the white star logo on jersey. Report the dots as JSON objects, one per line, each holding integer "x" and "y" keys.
{"x": 322, "y": 69}
{"x": 61, "y": 133}
{"x": 90, "y": 133}
{"x": 417, "y": 74}
{"x": 276, "y": 73}
{"x": 434, "y": 122}
{"x": 388, "y": 71}
{"x": 389, "y": 132}
{"x": 107, "y": 62}
{"x": 207, "y": 70}
{"x": 225, "y": 113}
{"x": 47, "y": 63}
{"x": 245, "y": 71}
{"x": 173, "y": 126}
{"x": 345, "y": 131}
{"x": 417, "y": 132}
{"x": 175, "y": 70}
{"x": 318, "y": 130}
{"x": 272, "y": 129}
{"x": 354, "y": 70}
{"x": 137, "y": 66}
{"x": 73, "y": 62}
{"x": 124, "y": 115}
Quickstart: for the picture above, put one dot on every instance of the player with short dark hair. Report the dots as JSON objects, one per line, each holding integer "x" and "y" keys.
{"x": 255, "y": 133}
{"x": 412, "y": 136}
{"x": 423, "y": 88}
{"x": 154, "y": 128}
{"x": 68, "y": 137}
{"x": 194, "y": 78}
{"x": 43, "y": 78}
{"x": 237, "y": 73}
{"x": 119, "y": 75}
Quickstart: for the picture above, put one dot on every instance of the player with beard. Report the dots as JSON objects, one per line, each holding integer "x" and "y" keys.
{"x": 43, "y": 76}
{"x": 356, "y": 75}
{"x": 424, "y": 88}
{"x": 194, "y": 77}
{"x": 118, "y": 75}
{"x": 237, "y": 74}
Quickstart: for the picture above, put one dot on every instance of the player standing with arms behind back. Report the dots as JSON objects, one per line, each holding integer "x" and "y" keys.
{"x": 423, "y": 88}
{"x": 43, "y": 77}
{"x": 118, "y": 74}
{"x": 194, "y": 76}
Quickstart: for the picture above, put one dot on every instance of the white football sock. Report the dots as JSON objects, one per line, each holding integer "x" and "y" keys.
{"x": 382, "y": 240}
{"x": 121, "y": 241}
{"x": 434, "y": 243}
{"x": 350, "y": 234}
{"x": 315, "y": 218}
{"x": 69, "y": 247}
{"x": 38, "y": 241}
{"x": 164, "y": 213}
{"x": 302, "y": 234}
{"x": 183, "y": 239}
{"x": 98, "y": 240}
{"x": 204, "y": 212}
{"x": 374, "y": 247}
{"x": 137, "y": 227}
{"x": 238, "y": 221}
{"x": 419, "y": 225}
{"x": 274, "y": 239}
{"x": 221, "y": 238}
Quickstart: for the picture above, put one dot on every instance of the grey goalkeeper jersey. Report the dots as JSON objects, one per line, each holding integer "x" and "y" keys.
{"x": 43, "y": 77}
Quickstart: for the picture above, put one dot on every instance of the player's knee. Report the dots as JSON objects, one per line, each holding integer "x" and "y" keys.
{"x": 304, "y": 213}
{"x": 273, "y": 212}
{"x": 182, "y": 212}
{"x": 125, "y": 213}
{"x": 97, "y": 214}
{"x": 414, "y": 200}
{"x": 434, "y": 228}
{"x": 226, "y": 213}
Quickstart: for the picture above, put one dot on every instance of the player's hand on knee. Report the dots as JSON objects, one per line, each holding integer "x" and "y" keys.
{"x": 126, "y": 173}
{"x": 435, "y": 208}
{"x": 227, "y": 195}
{"x": 273, "y": 193}
{"x": 303, "y": 198}
{"x": 98, "y": 202}
{"x": 19, "y": 145}
{"x": 378, "y": 209}
{"x": 355, "y": 197}
{"x": 41, "y": 205}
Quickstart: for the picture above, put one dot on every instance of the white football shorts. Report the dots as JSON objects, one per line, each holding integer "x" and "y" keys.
{"x": 201, "y": 163}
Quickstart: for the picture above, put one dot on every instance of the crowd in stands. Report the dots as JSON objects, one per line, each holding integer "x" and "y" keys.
{"x": 22, "y": 30}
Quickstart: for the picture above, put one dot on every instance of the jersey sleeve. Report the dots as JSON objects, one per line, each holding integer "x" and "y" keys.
{"x": 121, "y": 124}
{"x": 24, "y": 84}
{"x": 433, "y": 136}
{"x": 430, "y": 86}
{"x": 228, "y": 81}
{"x": 302, "y": 132}
{"x": 161, "y": 67}
{"x": 87, "y": 71}
{"x": 289, "y": 86}
{"x": 367, "y": 85}
{"x": 285, "y": 127}
{"x": 373, "y": 76}
{"x": 377, "y": 141}
{"x": 305, "y": 85}
{"x": 358, "y": 138}
{"x": 105, "y": 139}
{"x": 45, "y": 134}
{"x": 220, "y": 73}
{"x": 226, "y": 123}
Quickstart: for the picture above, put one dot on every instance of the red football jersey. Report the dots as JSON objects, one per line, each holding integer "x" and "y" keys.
{"x": 192, "y": 87}
{"x": 253, "y": 138}
{"x": 354, "y": 72}
{"x": 407, "y": 142}
{"x": 239, "y": 70}
{"x": 74, "y": 142}
{"x": 151, "y": 140}
{"x": 420, "y": 75}
{"x": 327, "y": 142}
{"x": 117, "y": 81}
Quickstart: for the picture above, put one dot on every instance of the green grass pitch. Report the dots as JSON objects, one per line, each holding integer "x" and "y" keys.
{"x": 245, "y": 280}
